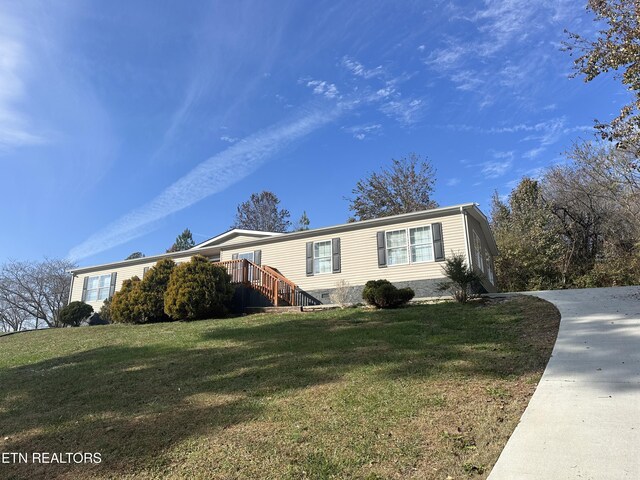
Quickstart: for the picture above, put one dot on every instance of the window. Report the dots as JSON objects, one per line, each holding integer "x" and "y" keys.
{"x": 246, "y": 256}
{"x": 421, "y": 244}
{"x": 412, "y": 245}
{"x": 477, "y": 246}
{"x": 98, "y": 288}
{"x": 322, "y": 257}
{"x": 489, "y": 267}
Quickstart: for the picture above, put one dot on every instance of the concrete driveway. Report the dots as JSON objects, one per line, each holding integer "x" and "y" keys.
{"x": 583, "y": 421}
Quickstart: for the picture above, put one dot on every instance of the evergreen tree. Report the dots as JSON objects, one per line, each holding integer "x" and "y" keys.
{"x": 303, "y": 223}
{"x": 184, "y": 241}
{"x": 528, "y": 240}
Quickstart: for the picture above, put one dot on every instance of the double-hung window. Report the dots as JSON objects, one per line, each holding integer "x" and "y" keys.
{"x": 397, "y": 247}
{"x": 489, "y": 267}
{"x": 98, "y": 288}
{"x": 421, "y": 244}
{"x": 409, "y": 245}
{"x": 322, "y": 257}
{"x": 477, "y": 246}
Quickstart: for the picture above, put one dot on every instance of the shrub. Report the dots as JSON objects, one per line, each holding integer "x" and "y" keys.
{"x": 383, "y": 294}
{"x": 198, "y": 289}
{"x": 105, "y": 313}
{"x": 75, "y": 313}
{"x": 342, "y": 294}
{"x": 462, "y": 279}
{"x": 125, "y": 304}
{"x": 405, "y": 295}
{"x": 142, "y": 301}
{"x": 153, "y": 287}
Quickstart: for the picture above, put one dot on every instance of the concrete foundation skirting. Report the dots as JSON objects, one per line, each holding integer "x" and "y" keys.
{"x": 422, "y": 288}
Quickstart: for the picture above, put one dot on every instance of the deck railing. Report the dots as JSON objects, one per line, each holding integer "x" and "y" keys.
{"x": 266, "y": 280}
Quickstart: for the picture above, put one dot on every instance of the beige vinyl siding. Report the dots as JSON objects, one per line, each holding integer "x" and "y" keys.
{"x": 124, "y": 272}
{"x": 474, "y": 228}
{"x": 359, "y": 255}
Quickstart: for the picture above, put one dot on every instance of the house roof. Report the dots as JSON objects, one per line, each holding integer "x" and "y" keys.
{"x": 212, "y": 245}
{"x": 229, "y": 234}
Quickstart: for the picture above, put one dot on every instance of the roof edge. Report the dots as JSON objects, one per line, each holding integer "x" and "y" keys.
{"x": 454, "y": 209}
{"x": 269, "y": 236}
{"x": 232, "y": 231}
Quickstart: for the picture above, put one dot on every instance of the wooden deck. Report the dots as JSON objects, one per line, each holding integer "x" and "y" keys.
{"x": 268, "y": 281}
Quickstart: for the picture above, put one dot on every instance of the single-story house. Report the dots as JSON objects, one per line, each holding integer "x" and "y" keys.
{"x": 304, "y": 267}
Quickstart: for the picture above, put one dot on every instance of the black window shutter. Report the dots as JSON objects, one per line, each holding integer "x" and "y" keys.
{"x": 438, "y": 246}
{"x": 382, "y": 252}
{"x": 257, "y": 257}
{"x": 234, "y": 256}
{"x": 84, "y": 288}
{"x": 335, "y": 260}
{"x": 112, "y": 285}
{"x": 309, "y": 259}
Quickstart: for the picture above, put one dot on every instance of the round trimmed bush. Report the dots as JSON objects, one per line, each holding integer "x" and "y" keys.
{"x": 75, "y": 313}
{"x": 384, "y": 294}
{"x": 198, "y": 289}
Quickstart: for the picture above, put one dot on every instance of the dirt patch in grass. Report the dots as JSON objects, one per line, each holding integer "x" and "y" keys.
{"x": 427, "y": 391}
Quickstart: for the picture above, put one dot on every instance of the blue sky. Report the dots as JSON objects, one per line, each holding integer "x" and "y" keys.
{"x": 122, "y": 123}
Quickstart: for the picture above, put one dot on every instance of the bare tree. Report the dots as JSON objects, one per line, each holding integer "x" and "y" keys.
{"x": 262, "y": 212}
{"x": 12, "y": 319}
{"x": 37, "y": 289}
{"x": 595, "y": 199}
{"x": 405, "y": 187}
{"x": 614, "y": 174}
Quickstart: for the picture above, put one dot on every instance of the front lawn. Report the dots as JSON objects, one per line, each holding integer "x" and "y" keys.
{"x": 422, "y": 392}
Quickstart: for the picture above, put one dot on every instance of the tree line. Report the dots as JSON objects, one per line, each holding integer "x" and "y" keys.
{"x": 578, "y": 225}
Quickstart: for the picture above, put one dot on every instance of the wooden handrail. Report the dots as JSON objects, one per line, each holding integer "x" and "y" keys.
{"x": 266, "y": 280}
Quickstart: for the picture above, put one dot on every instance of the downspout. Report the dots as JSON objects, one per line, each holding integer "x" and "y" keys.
{"x": 73, "y": 276}
{"x": 465, "y": 227}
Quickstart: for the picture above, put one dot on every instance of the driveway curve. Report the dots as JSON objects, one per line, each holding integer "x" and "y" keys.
{"x": 583, "y": 421}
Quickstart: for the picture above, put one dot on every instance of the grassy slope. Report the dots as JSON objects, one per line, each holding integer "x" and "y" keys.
{"x": 422, "y": 392}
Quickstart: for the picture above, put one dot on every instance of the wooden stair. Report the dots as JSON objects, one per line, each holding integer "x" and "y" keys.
{"x": 266, "y": 280}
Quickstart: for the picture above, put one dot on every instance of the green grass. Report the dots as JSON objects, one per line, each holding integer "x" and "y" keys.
{"x": 421, "y": 392}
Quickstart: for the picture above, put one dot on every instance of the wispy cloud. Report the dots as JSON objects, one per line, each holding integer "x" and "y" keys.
{"x": 543, "y": 134}
{"x": 358, "y": 69}
{"x": 500, "y": 165}
{"x": 444, "y": 59}
{"x": 228, "y": 139}
{"x": 360, "y": 132}
{"x": 326, "y": 89}
{"x": 507, "y": 52}
{"x": 406, "y": 111}
{"x": 209, "y": 177}
{"x": 15, "y": 129}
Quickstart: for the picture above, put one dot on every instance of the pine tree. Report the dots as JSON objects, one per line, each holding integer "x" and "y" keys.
{"x": 303, "y": 223}
{"x": 184, "y": 241}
